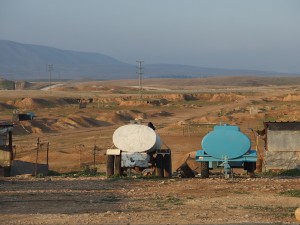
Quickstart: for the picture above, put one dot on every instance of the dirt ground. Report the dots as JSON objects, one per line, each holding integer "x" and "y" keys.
{"x": 147, "y": 201}
{"x": 183, "y": 111}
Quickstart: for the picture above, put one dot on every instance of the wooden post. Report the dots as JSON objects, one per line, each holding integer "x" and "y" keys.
{"x": 47, "y": 159}
{"x": 37, "y": 155}
{"x": 10, "y": 145}
{"x": 79, "y": 156}
{"x": 80, "y": 146}
{"x": 95, "y": 147}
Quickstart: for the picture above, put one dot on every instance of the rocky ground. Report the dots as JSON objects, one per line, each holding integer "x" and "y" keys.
{"x": 97, "y": 200}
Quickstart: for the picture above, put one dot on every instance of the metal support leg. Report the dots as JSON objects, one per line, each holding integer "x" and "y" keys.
{"x": 227, "y": 168}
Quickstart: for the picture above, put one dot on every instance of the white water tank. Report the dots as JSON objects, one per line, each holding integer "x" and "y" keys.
{"x": 136, "y": 138}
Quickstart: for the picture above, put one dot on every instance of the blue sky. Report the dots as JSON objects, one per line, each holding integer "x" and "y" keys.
{"x": 237, "y": 34}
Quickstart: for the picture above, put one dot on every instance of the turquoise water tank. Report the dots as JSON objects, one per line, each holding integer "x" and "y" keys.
{"x": 226, "y": 141}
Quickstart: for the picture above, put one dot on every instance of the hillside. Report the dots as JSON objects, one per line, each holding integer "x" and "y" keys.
{"x": 26, "y": 61}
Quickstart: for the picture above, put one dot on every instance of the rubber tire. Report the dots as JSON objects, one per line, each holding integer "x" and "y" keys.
{"x": 159, "y": 170}
{"x": 110, "y": 161}
{"x": 168, "y": 165}
{"x": 204, "y": 169}
{"x": 118, "y": 169}
{"x": 250, "y": 167}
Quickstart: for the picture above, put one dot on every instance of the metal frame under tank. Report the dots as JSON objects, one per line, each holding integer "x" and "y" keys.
{"x": 246, "y": 161}
{"x": 121, "y": 163}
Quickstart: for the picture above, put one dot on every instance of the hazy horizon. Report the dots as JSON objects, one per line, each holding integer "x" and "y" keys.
{"x": 255, "y": 35}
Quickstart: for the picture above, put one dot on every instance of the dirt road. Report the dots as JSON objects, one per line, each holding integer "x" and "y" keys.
{"x": 147, "y": 201}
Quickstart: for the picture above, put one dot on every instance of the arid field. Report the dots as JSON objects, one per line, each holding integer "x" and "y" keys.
{"x": 79, "y": 118}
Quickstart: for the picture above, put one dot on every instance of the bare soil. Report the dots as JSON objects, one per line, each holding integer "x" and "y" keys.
{"x": 142, "y": 201}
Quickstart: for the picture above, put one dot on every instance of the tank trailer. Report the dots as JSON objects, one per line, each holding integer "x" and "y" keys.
{"x": 138, "y": 147}
{"x": 226, "y": 146}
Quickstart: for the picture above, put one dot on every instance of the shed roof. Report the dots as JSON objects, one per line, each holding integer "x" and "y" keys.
{"x": 282, "y": 125}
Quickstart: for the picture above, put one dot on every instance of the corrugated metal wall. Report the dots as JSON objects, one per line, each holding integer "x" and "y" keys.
{"x": 283, "y": 149}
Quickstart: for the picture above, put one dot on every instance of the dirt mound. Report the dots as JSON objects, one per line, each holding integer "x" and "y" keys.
{"x": 161, "y": 113}
{"x": 36, "y": 103}
{"x": 4, "y": 106}
{"x": 121, "y": 116}
{"x": 54, "y": 125}
{"x": 164, "y": 99}
{"x": 110, "y": 117}
{"x": 34, "y": 126}
{"x": 290, "y": 98}
{"x": 27, "y": 103}
{"x": 226, "y": 97}
{"x": 212, "y": 119}
{"x": 31, "y": 103}
{"x": 20, "y": 129}
{"x": 39, "y": 126}
{"x": 180, "y": 97}
{"x": 132, "y": 103}
{"x": 77, "y": 121}
{"x": 131, "y": 114}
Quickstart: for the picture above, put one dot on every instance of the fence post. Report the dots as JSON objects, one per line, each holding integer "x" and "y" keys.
{"x": 37, "y": 155}
{"x": 47, "y": 159}
{"x": 95, "y": 148}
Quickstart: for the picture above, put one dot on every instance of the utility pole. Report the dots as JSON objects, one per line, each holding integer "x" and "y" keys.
{"x": 50, "y": 69}
{"x": 139, "y": 72}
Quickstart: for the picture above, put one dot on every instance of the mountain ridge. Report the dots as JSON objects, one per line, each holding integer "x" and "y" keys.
{"x": 20, "y": 61}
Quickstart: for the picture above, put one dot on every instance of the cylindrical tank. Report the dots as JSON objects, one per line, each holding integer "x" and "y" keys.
{"x": 226, "y": 141}
{"x": 136, "y": 138}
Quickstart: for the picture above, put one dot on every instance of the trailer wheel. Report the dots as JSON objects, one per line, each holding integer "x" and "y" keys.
{"x": 168, "y": 165}
{"x": 250, "y": 167}
{"x": 159, "y": 170}
{"x": 110, "y": 165}
{"x": 204, "y": 170}
{"x": 118, "y": 169}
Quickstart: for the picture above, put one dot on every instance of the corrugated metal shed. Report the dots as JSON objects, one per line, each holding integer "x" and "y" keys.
{"x": 282, "y": 144}
{"x": 6, "y": 153}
